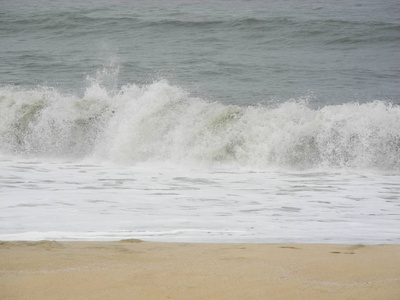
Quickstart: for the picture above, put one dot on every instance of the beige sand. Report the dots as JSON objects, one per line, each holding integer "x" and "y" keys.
{"x": 140, "y": 270}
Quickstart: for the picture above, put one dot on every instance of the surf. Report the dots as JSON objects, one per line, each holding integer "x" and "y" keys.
{"x": 161, "y": 122}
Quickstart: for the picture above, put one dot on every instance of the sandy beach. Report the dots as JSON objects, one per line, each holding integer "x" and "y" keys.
{"x": 132, "y": 269}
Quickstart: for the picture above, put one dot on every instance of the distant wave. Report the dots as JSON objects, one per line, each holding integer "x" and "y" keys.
{"x": 75, "y": 22}
{"x": 162, "y": 122}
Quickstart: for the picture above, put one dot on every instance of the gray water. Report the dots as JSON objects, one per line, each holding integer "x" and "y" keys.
{"x": 238, "y": 52}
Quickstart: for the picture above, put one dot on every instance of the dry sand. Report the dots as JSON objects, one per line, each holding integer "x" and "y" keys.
{"x": 133, "y": 269}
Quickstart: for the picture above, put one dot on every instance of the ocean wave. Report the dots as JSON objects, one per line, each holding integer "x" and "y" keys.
{"x": 163, "y": 122}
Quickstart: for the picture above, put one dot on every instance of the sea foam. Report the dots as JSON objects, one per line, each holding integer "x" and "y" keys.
{"x": 160, "y": 122}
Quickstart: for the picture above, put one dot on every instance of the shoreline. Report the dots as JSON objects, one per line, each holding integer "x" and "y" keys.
{"x": 135, "y": 269}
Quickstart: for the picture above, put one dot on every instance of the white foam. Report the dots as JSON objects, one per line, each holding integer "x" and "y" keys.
{"x": 163, "y": 123}
{"x": 65, "y": 201}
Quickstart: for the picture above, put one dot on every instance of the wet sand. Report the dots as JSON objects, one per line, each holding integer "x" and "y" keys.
{"x": 133, "y": 269}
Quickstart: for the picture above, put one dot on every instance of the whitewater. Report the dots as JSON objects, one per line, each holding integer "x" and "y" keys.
{"x": 152, "y": 162}
{"x": 161, "y": 122}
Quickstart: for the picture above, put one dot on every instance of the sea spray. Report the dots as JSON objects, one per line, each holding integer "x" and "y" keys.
{"x": 160, "y": 122}
{"x": 43, "y": 122}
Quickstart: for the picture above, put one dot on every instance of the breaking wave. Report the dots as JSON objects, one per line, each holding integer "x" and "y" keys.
{"x": 162, "y": 122}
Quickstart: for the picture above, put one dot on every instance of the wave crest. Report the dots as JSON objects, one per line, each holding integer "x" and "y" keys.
{"x": 161, "y": 122}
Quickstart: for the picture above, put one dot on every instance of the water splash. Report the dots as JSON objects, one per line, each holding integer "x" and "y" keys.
{"x": 162, "y": 122}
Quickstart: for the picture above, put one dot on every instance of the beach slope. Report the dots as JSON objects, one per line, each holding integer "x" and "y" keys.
{"x": 132, "y": 269}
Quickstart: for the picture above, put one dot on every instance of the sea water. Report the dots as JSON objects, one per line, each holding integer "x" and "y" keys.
{"x": 200, "y": 121}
